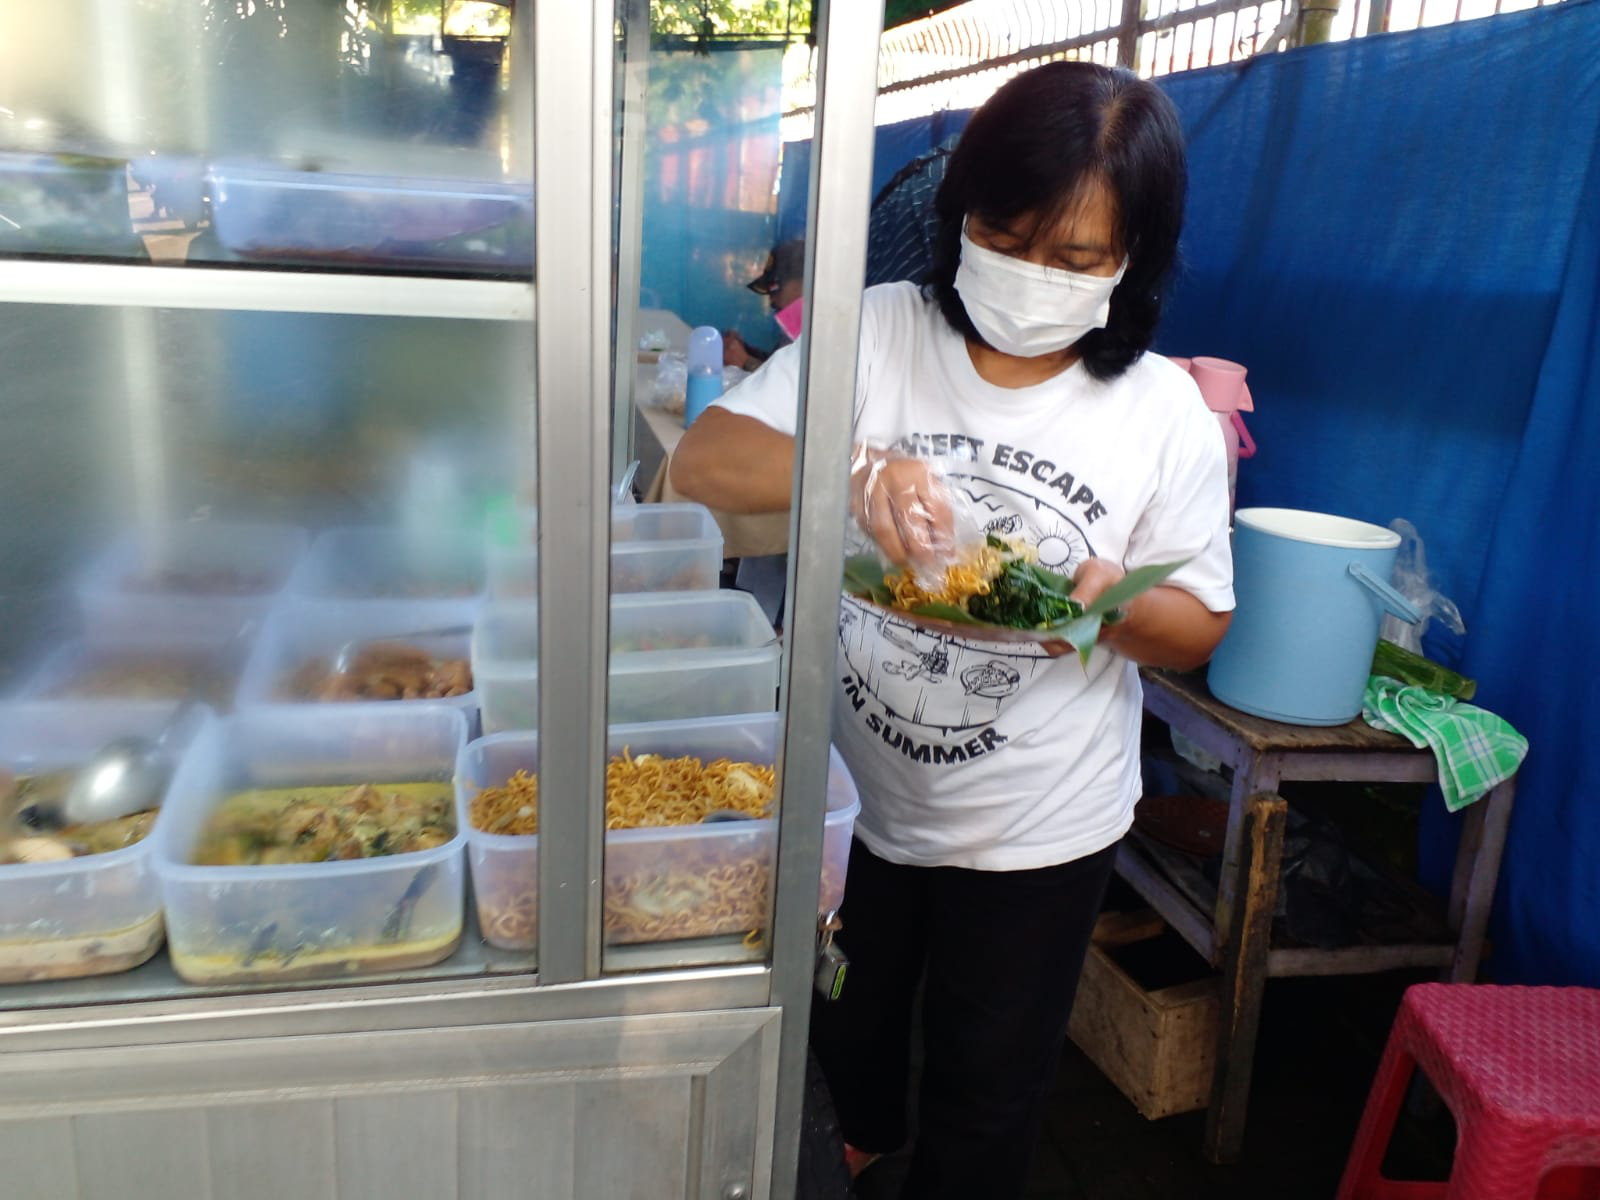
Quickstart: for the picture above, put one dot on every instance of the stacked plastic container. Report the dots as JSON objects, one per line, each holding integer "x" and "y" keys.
{"x": 119, "y": 666}
{"x": 654, "y": 548}
{"x": 344, "y": 218}
{"x": 693, "y": 672}
{"x": 661, "y": 884}
{"x": 433, "y": 577}
{"x": 100, "y": 913}
{"x": 266, "y": 924}
{"x": 673, "y": 655}
{"x": 195, "y": 578}
{"x": 299, "y": 636}
{"x": 228, "y": 613}
{"x": 169, "y": 612}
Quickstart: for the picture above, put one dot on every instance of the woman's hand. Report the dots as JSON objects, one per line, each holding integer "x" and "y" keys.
{"x": 1164, "y": 627}
{"x": 1093, "y": 577}
{"x": 903, "y": 506}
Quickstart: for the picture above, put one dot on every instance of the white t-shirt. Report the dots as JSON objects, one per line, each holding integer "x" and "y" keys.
{"x": 993, "y": 755}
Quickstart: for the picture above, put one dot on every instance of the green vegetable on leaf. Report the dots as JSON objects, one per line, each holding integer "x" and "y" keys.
{"x": 1023, "y": 596}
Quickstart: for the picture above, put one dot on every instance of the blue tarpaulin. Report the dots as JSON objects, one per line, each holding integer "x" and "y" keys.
{"x": 711, "y": 162}
{"x": 1400, "y": 237}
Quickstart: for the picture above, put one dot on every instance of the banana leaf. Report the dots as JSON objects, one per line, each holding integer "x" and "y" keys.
{"x": 863, "y": 577}
{"x": 1399, "y": 663}
{"x": 1077, "y": 625}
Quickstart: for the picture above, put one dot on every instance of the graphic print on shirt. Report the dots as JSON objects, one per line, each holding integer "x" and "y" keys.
{"x": 940, "y": 683}
{"x": 943, "y": 687}
{"x": 1060, "y": 545}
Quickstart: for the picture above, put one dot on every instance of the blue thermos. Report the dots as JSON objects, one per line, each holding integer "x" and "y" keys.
{"x": 705, "y": 373}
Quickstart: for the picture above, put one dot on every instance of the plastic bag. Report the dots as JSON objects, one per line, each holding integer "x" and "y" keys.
{"x": 672, "y": 381}
{"x": 1411, "y": 581}
{"x": 906, "y": 505}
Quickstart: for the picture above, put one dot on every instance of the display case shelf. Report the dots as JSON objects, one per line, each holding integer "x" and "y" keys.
{"x": 137, "y": 285}
{"x": 475, "y": 958}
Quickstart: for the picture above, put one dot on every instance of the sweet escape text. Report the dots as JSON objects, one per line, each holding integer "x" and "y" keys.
{"x": 1023, "y": 462}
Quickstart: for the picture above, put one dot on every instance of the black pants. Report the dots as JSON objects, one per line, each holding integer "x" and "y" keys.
{"x": 999, "y": 953}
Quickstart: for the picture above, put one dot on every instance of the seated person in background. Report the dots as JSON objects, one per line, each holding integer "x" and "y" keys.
{"x": 780, "y": 283}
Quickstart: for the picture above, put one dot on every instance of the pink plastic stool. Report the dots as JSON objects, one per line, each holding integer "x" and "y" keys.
{"x": 1520, "y": 1069}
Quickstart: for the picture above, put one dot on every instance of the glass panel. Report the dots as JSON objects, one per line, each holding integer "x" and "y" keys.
{"x": 245, "y": 509}
{"x": 696, "y": 595}
{"x": 367, "y": 134}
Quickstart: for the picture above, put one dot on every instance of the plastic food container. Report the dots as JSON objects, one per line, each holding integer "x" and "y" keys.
{"x": 654, "y": 548}
{"x": 80, "y": 916}
{"x": 191, "y": 577}
{"x": 157, "y": 666}
{"x": 266, "y": 212}
{"x": 431, "y": 577}
{"x": 65, "y": 204}
{"x": 266, "y": 924}
{"x": 666, "y": 884}
{"x": 674, "y": 655}
{"x": 297, "y": 633}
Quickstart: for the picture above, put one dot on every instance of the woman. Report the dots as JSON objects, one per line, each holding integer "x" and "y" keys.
{"x": 997, "y": 779}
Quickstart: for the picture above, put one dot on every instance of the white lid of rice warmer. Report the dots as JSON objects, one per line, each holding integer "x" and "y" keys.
{"x": 1320, "y": 529}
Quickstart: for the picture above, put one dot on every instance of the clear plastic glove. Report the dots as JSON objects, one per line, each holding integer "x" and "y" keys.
{"x": 904, "y": 505}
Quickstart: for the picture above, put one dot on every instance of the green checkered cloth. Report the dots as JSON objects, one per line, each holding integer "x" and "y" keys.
{"x": 1476, "y": 749}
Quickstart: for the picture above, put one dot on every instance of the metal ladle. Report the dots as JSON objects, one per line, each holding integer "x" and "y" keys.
{"x": 129, "y": 774}
{"x": 126, "y": 775}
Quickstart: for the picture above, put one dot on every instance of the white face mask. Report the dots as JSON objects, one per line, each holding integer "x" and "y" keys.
{"x": 1025, "y": 309}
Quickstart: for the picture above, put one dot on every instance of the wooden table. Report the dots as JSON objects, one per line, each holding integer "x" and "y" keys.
{"x": 1233, "y": 930}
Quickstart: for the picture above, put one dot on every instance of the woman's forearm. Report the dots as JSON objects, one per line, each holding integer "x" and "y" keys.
{"x": 734, "y": 463}
{"x": 1167, "y": 627}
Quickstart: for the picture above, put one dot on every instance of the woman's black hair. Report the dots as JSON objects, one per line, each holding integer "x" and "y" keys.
{"x": 1033, "y": 148}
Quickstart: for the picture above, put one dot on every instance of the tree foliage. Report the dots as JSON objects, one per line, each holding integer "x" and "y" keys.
{"x": 730, "y": 18}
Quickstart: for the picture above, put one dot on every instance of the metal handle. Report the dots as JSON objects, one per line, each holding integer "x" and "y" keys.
{"x": 181, "y": 716}
{"x": 1391, "y": 600}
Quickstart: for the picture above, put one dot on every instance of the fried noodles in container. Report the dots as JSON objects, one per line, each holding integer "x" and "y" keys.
{"x": 670, "y": 872}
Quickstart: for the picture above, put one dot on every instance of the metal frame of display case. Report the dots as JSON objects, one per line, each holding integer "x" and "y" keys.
{"x": 42, "y": 1048}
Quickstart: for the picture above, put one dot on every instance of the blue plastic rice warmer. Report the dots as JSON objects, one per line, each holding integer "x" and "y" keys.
{"x": 1311, "y": 592}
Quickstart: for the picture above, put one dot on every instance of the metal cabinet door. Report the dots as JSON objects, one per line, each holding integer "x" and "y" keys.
{"x": 622, "y": 1108}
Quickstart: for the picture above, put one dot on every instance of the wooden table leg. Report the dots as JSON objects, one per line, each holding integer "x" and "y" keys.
{"x": 1244, "y": 975}
{"x": 1252, "y": 773}
{"x": 1477, "y": 870}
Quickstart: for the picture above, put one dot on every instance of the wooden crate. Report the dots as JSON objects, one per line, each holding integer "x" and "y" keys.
{"x": 1158, "y": 1047}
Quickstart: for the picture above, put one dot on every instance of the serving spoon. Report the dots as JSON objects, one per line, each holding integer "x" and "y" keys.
{"x": 126, "y": 775}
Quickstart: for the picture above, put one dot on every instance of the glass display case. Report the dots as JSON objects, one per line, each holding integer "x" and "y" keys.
{"x": 378, "y": 776}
